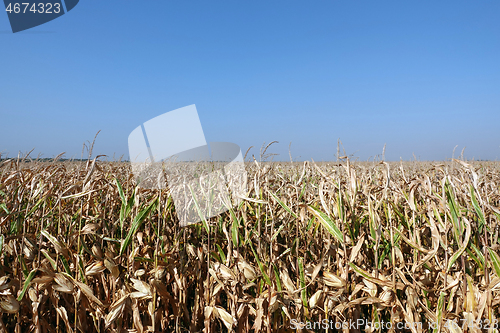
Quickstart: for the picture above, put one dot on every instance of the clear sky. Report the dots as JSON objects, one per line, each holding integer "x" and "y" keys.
{"x": 420, "y": 76}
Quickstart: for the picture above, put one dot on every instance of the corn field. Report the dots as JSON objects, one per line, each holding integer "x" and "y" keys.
{"x": 84, "y": 249}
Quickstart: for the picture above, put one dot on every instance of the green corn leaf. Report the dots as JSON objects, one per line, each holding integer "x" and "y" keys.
{"x": 479, "y": 254}
{"x": 451, "y": 299}
{"x": 127, "y": 205}
{"x": 261, "y": 267}
{"x": 120, "y": 191}
{"x": 409, "y": 242}
{"x": 128, "y": 208}
{"x": 287, "y": 250}
{"x": 375, "y": 317}
{"x": 473, "y": 256}
{"x": 142, "y": 259}
{"x": 234, "y": 226}
{"x": 4, "y": 207}
{"x": 23, "y": 266}
{"x": 221, "y": 254}
{"x": 477, "y": 208}
{"x": 303, "y": 191}
{"x": 440, "y": 308}
{"x": 136, "y": 224}
{"x": 39, "y": 202}
{"x": 282, "y": 204}
{"x": 50, "y": 259}
{"x": 328, "y": 224}
{"x": 373, "y": 231}
{"x": 495, "y": 260}
{"x": 277, "y": 232}
{"x": 462, "y": 248}
{"x": 81, "y": 268}
{"x": 303, "y": 283}
{"x": 277, "y": 277}
{"x": 27, "y": 284}
{"x": 65, "y": 264}
{"x": 457, "y": 226}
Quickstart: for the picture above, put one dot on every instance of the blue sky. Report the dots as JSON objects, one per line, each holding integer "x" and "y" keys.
{"x": 419, "y": 76}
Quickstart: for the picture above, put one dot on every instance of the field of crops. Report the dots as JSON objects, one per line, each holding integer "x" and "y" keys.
{"x": 83, "y": 249}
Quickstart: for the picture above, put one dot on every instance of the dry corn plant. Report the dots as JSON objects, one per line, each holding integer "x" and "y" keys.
{"x": 83, "y": 249}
